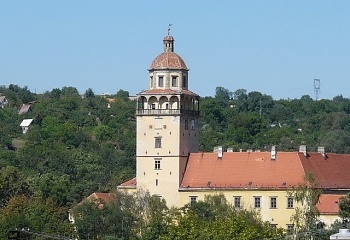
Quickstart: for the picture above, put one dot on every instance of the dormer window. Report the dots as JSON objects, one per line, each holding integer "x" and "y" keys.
{"x": 160, "y": 81}
{"x": 174, "y": 81}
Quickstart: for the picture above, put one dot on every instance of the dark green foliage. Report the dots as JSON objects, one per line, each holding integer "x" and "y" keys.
{"x": 215, "y": 218}
{"x": 77, "y": 145}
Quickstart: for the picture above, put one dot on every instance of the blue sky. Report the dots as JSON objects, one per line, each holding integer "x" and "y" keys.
{"x": 274, "y": 47}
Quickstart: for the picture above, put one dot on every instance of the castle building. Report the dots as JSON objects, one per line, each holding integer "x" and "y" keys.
{"x": 169, "y": 164}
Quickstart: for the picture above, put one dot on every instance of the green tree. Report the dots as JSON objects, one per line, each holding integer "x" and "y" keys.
{"x": 306, "y": 215}
{"x": 344, "y": 208}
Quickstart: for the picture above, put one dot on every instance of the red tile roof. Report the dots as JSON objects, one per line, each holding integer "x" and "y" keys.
{"x": 243, "y": 170}
{"x": 96, "y": 197}
{"x": 129, "y": 184}
{"x": 168, "y": 60}
{"x": 328, "y": 204}
{"x": 330, "y": 172}
{"x": 25, "y": 108}
{"x": 257, "y": 170}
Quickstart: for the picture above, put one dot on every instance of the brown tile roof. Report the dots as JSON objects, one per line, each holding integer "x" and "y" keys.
{"x": 168, "y": 60}
{"x": 328, "y": 204}
{"x": 129, "y": 184}
{"x": 243, "y": 170}
{"x": 96, "y": 197}
{"x": 330, "y": 172}
{"x": 25, "y": 108}
{"x": 168, "y": 91}
{"x": 257, "y": 170}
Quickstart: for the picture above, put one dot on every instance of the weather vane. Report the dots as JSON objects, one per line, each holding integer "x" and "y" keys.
{"x": 169, "y": 29}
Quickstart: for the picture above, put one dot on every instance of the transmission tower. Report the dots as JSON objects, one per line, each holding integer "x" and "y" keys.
{"x": 317, "y": 87}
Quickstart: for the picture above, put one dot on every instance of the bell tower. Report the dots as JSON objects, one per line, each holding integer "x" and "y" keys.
{"x": 167, "y": 125}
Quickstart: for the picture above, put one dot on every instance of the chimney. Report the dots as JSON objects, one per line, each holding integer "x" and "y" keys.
{"x": 302, "y": 149}
{"x": 273, "y": 153}
{"x": 322, "y": 151}
{"x": 220, "y": 152}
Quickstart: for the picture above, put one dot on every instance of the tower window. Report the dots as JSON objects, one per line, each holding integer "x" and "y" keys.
{"x": 161, "y": 81}
{"x": 186, "y": 124}
{"x": 184, "y": 81}
{"x": 157, "y": 164}
{"x": 151, "y": 80}
{"x": 174, "y": 81}
{"x": 157, "y": 142}
{"x": 156, "y": 182}
{"x": 192, "y": 124}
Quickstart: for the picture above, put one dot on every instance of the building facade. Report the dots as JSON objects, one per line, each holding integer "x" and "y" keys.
{"x": 169, "y": 164}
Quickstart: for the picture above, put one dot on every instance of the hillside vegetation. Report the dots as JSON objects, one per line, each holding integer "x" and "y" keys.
{"x": 77, "y": 145}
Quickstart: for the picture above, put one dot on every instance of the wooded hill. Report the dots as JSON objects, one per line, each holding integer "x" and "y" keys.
{"x": 77, "y": 145}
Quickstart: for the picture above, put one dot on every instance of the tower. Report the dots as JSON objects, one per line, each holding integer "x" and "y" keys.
{"x": 167, "y": 125}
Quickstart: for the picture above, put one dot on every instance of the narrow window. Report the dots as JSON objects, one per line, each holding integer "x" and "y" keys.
{"x": 290, "y": 229}
{"x": 156, "y": 182}
{"x": 237, "y": 202}
{"x": 157, "y": 142}
{"x": 273, "y": 202}
{"x": 161, "y": 81}
{"x": 186, "y": 124}
{"x": 290, "y": 202}
{"x": 257, "y": 202}
{"x": 174, "y": 81}
{"x": 151, "y": 80}
{"x": 192, "y": 124}
{"x": 157, "y": 164}
{"x": 184, "y": 82}
{"x": 193, "y": 199}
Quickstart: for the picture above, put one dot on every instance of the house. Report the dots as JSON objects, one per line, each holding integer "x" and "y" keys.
{"x": 329, "y": 208}
{"x": 3, "y": 101}
{"x": 25, "y": 125}
{"x": 169, "y": 164}
{"x": 26, "y": 107}
{"x": 98, "y": 198}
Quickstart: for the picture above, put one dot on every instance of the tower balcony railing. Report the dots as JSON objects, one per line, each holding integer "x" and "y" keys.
{"x": 166, "y": 112}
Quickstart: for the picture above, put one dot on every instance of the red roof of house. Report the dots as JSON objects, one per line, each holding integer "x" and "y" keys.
{"x": 243, "y": 170}
{"x": 258, "y": 170}
{"x": 25, "y": 108}
{"x": 328, "y": 204}
{"x": 129, "y": 184}
{"x": 331, "y": 171}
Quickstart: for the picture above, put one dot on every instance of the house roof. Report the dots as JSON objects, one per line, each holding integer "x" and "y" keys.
{"x": 25, "y": 108}
{"x": 96, "y": 197}
{"x": 26, "y": 122}
{"x": 328, "y": 204}
{"x": 331, "y": 171}
{"x": 129, "y": 184}
{"x": 243, "y": 170}
{"x": 258, "y": 170}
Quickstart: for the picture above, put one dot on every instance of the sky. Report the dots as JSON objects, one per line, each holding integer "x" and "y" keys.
{"x": 275, "y": 47}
